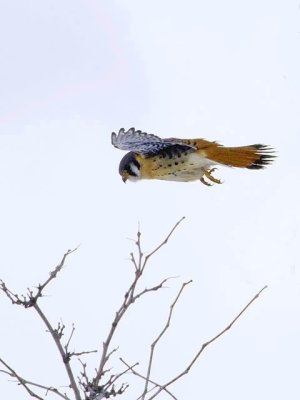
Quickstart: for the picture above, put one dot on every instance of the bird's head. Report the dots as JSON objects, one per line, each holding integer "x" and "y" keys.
{"x": 129, "y": 167}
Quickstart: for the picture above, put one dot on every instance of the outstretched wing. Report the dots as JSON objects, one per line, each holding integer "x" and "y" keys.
{"x": 144, "y": 143}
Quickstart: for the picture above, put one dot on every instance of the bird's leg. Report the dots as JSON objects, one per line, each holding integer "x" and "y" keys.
{"x": 208, "y": 174}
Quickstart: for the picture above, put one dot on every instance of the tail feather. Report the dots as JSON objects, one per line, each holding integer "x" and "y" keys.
{"x": 256, "y": 156}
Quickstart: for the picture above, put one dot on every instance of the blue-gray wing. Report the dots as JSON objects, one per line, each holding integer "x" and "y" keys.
{"x": 144, "y": 143}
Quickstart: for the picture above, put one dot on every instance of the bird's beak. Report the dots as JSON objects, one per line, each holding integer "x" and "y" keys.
{"x": 124, "y": 179}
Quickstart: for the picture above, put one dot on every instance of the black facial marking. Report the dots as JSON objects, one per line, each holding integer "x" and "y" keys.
{"x": 127, "y": 162}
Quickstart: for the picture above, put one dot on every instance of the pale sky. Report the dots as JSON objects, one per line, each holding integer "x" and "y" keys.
{"x": 71, "y": 72}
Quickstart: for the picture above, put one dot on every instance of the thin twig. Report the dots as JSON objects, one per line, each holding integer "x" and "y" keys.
{"x": 161, "y": 244}
{"x": 153, "y": 345}
{"x": 81, "y": 353}
{"x": 24, "y": 382}
{"x": 114, "y": 378}
{"x": 204, "y": 345}
{"x": 83, "y": 376}
{"x": 64, "y": 355}
{"x": 152, "y": 289}
{"x": 70, "y": 338}
{"x": 54, "y": 273}
{"x": 31, "y": 300}
{"x": 131, "y": 368}
{"x": 130, "y": 297}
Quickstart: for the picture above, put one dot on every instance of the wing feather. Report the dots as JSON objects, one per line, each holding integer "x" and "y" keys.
{"x": 144, "y": 143}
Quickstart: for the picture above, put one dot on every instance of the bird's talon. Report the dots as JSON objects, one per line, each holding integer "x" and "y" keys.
{"x": 208, "y": 174}
{"x": 204, "y": 182}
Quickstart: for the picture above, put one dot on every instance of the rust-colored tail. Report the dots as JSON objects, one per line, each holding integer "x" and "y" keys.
{"x": 256, "y": 156}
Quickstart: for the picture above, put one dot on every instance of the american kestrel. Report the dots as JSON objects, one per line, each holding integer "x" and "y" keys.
{"x": 182, "y": 160}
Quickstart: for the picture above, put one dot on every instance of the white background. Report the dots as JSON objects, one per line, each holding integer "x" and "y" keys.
{"x": 72, "y": 72}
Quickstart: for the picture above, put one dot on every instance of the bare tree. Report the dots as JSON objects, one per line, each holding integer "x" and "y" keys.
{"x": 102, "y": 384}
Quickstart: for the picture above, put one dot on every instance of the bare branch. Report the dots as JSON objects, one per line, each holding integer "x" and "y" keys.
{"x": 204, "y": 345}
{"x": 83, "y": 375}
{"x": 130, "y": 297}
{"x": 31, "y": 299}
{"x": 53, "y": 274}
{"x": 161, "y": 244}
{"x": 153, "y": 345}
{"x": 60, "y": 330}
{"x": 132, "y": 259}
{"x": 152, "y": 289}
{"x": 131, "y": 368}
{"x": 25, "y": 383}
{"x": 81, "y": 353}
{"x": 114, "y": 378}
{"x": 64, "y": 355}
{"x": 69, "y": 354}
{"x": 95, "y": 388}
{"x": 69, "y": 340}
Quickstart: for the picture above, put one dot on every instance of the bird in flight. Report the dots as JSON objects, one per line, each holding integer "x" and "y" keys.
{"x": 182, "y": 160}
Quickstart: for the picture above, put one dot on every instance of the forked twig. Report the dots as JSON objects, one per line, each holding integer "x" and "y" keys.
{"x": 161, "y": 244}
{"x": 92, "y": 388}
{"x": 31, "y": 300}
{"x": 153, "y": 345}
{"x": 146, "y": 379}
{"x": 131, "y": 296}
{"x": 26, "y": 383}
{"x": 204, "y": 345}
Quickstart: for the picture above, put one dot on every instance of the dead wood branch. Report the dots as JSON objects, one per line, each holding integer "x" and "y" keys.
{"x": 31, "y": 300}
{"x": 104, "y": 384}
{"x": 26, "y": 383}
{"x": 131, "y": 296}
{"x": 204, "y": 345}
{"x": 153, "y": 345}
{"x": 155, "y": 384}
